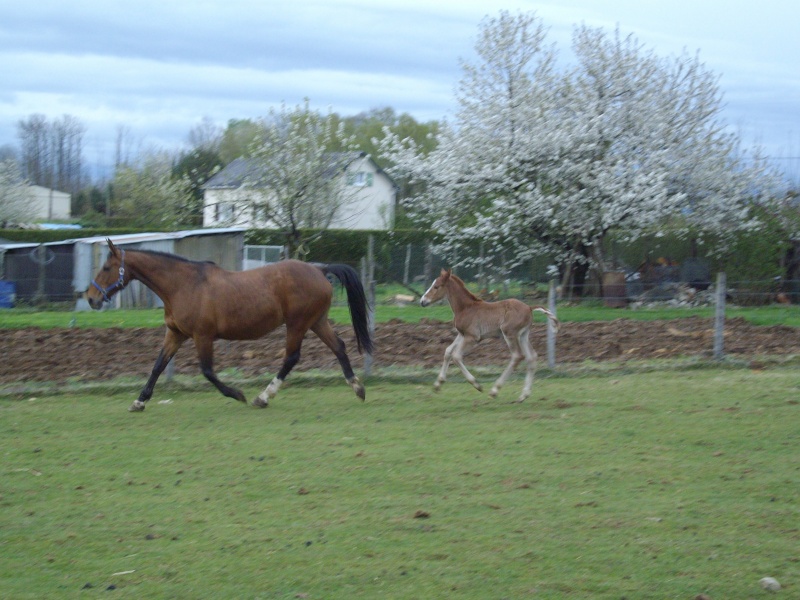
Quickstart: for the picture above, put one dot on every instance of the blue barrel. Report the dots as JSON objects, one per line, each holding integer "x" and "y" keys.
{"x": 8, "y": 292}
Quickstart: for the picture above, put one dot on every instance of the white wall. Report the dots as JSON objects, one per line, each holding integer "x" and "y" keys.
{"x": 370, "y": 206}
{"x": 49, "y": 204}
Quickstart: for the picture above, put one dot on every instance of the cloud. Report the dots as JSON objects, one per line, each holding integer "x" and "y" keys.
{"x": 159, "y": 67}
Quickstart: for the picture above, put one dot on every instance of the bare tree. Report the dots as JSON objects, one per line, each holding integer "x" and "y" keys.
{"x": 206, "y": 135}
{"x": 51, "y": 154}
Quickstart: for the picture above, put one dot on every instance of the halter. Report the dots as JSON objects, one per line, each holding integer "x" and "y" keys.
{"x": 117, "y": 285}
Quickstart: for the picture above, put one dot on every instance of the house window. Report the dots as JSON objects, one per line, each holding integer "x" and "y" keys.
{"x": 224, "y": 212}
{"x": 360, "y": 179}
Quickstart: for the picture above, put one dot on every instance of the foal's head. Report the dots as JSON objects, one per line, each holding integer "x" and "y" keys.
{"x": 438, "y": 289}
{"x": 110, "y": 279}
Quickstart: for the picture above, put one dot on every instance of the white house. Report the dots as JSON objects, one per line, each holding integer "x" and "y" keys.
{"x": 371, "y": 195}
{"x": 49, "y": 204}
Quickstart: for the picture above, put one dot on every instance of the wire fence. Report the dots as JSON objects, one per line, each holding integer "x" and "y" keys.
{"x": 45, "y": 275}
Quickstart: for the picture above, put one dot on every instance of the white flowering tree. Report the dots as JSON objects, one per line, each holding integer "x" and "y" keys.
{"x": 15, "y": 199}
{"x": 542, "y": 160}
{"x": 296, "y": 179}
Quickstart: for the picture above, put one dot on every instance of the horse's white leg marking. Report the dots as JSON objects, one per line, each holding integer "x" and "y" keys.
{"x": 458, "y": 358}
{"x": 530, "y": 361}
{"x": 269, "y": 392}
{"x": 516, "y": 357}
{"x": 448, "y": 355}
{"x": 137, "y": 406}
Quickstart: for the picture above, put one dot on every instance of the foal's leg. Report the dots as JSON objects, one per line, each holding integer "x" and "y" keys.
{"x": 294, "y": 339}
{"x": 516, "y": 357}
{"x": 205, "y": 352}
{"x": 172, "y": 341}
{"x": 448, "y": 356}
{"x": 328, "y": 336}
{"x": 530, "y": 361}
{"x": 459, "y": 351}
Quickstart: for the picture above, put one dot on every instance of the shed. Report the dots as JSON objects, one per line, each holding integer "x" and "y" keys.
{"x": 62, "y": 271}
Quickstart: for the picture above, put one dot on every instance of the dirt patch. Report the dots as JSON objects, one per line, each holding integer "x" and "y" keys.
{"x": 99, "y": 354}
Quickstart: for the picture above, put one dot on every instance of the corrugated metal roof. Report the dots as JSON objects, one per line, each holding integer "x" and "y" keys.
{"x": 133, "y": 238}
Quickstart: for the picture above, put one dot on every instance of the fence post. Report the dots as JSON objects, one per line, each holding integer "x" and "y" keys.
{"x": 368, "y": 361}
{"x": 169, "y": 372}
{"x": 551, "y": 334}
{"x": 427, "y": 270}
{"x": 407, "y": 265}
{"x": 719, "y": 317}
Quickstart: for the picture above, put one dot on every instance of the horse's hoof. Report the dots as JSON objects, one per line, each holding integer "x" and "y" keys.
{"x": 361, "y": 392}
{"x": 137, "y": 406}
{"x": 260, "y": 402}
{"x": 478, "y": 387}
{"x": 493, "y": 393}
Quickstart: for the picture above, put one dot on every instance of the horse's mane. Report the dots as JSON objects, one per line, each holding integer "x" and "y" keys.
{"x": 460, "y": 282}
{"x": 175, "y": 257}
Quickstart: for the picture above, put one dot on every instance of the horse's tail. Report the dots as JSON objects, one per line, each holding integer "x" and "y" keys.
{"x": 551, "y": 317}
{"x": 357, "y": 300}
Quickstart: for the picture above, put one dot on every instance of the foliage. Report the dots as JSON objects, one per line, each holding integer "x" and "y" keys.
{"x": 90, "y": 203}
{"x": 15, "y": 205}
{"x": 238, "y": 139}
{"x": 147, "y": 195}
{"x": 643, "y": 486}
{"x": 548, "y": 162}
{"x": 196, "y": 167}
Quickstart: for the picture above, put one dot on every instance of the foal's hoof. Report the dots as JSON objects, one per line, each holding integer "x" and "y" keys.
{"x": 137, "y": 406}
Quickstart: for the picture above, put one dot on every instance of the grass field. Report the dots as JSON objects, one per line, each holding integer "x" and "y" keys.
{"x": 653, "y": 485}
{"x": 412, "y": 313}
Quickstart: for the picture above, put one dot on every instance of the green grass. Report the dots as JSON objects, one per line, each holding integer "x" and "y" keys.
{"x": 643, "y": 486}
{"x": 413, "y": 313}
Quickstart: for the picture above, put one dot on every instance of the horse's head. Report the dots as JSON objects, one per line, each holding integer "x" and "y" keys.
{"x": 109, "y": 279}
{"x": 437, "y": 290}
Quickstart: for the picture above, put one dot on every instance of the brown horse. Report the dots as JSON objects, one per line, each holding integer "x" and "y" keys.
{"x": 205, "y": 303}
{"x": 476, "y": 319}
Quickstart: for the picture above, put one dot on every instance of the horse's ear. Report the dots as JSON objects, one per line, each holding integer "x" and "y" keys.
{"x": 111, "y": 247}
{"x": 446, "y": 274}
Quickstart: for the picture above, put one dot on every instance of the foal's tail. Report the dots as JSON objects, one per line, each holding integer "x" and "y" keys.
{"x": 357, "y": 300}
{"x": 551, "y": 317}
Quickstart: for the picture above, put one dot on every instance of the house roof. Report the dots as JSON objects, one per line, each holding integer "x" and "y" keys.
{"x": 244, "y": 169}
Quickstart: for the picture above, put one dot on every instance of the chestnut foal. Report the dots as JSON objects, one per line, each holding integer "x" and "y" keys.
{"x": 476, "y": 319}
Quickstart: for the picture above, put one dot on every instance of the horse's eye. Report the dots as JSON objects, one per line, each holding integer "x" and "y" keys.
{"x": 106, "y": 268}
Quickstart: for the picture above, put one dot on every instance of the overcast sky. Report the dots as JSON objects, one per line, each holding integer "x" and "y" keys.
{"x": 159, "y": 67}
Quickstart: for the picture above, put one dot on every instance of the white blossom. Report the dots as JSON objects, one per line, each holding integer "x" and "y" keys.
{"x": 547, "y": 161}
